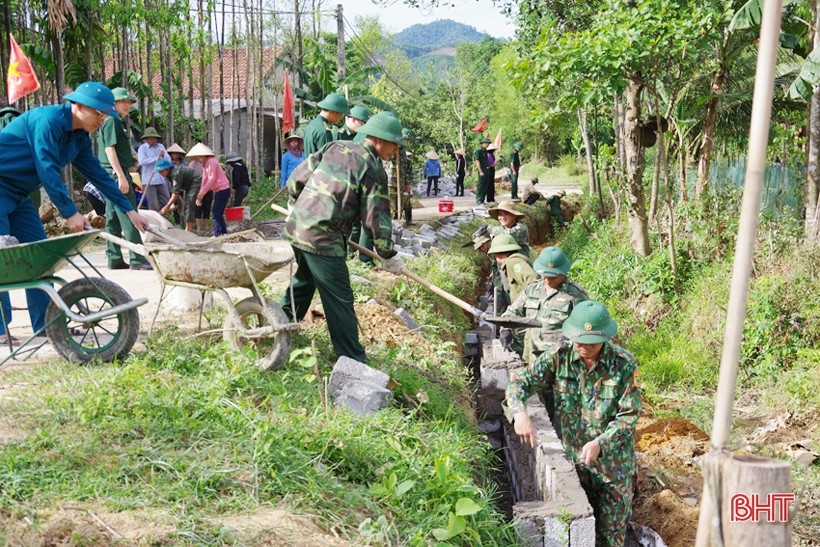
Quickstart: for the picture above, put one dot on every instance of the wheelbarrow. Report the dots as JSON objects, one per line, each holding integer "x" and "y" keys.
{"x": 90, "y": 318}
{"x": 215, "y": 266}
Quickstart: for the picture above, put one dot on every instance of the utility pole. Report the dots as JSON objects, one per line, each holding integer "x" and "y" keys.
{"x": 340, "y": 43}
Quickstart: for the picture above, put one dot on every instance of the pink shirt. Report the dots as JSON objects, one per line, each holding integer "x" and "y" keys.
{"x": 213, "y": 178}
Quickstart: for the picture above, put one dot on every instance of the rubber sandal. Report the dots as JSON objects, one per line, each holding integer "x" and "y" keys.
{"x": 7, "y": 339}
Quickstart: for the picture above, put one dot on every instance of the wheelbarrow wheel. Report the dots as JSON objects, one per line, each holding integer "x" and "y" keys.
{"x": 273, "y": 350}
{"x": 105, "y": 340}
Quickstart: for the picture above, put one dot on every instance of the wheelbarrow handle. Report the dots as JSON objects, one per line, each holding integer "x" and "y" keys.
{"x": 135, "y": 247}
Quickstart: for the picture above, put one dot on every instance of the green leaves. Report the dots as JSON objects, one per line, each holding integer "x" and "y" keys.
{"x": 809, "y": 76}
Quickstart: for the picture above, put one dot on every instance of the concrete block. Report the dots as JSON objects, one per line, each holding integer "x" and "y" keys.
{"x": 490, "y": 426}
{"x": 360, "y": 280}
{"x": 347, "y": 370}
{"x": 470, "y": 351}
{"x": 402, "y": 314}
{"x": 528, "y": 532}
{"x": 372, "y": 302}
{"x": 363, "y": 397}
{"x": 494, "y": 378}
{"x": 556, "y": 533}
{"x": 471, "y": 338}
{"x": 183, "y": 300}
{"x": 426, "y": 229}
{"x": 582, "y": 531}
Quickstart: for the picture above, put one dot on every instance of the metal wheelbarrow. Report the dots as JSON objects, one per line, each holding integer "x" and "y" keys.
{"x": 90, "y": 318}
{"x": 212, "y": 265}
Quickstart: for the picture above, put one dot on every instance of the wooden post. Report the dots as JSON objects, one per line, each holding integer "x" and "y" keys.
{"x": 714, "y": 529}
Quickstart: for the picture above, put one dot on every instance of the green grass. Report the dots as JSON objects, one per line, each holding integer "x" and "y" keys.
{"x": 557, "y": 176}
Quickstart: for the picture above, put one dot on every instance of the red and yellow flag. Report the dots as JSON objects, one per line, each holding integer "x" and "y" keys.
{"x": 21, "y": 79}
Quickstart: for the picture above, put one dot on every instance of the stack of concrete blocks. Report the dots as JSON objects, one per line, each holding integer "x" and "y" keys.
{"x": 551, "y": 507}
{"x": 409, "y": 243}
{"x": 362, "y": 389}
{"x": 446, "y": 188}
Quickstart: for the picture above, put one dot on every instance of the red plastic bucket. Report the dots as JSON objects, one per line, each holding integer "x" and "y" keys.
{"x": 233, "y": 214}
{"x": 445, "y": 206}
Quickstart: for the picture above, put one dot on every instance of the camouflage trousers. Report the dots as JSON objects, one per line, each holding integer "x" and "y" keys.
{"x": 612, "y": 505}
{"x": 393, "y": 197}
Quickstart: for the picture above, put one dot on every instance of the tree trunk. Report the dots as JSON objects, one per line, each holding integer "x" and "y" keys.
{"x": 222, "y": 83}
{"x": 812, "y": 192}
{"x": 633, "y": 151}
{"x": 716, "y": 87}
{"x": 149, "y": 71}
{"x": 618, "y": 124}
{"x": 653, "y": 193}
{"x": 582, "y": 120}
{"x": 201, "y": 72}
{"x": 59, "y": 64}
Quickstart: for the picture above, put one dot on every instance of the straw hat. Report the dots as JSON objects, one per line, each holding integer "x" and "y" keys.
{"x": 492, "y": 146}
{"x": 200, "y": 149}
{"x": 431, "y": 155}
{"x": 459, "y": 152}
{"x": 175, "y": 149}
{"x": 507, "y": 206}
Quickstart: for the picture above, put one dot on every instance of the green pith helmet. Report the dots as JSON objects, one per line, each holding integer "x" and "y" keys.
{"x": 150, "y": 132}
{"x": 383, "y": 126}
{"x": 519, "y": 145}
{"x": 163, "y": 164}
{"x": 479, "y": 241}
{"x": 504, "y": 243}
{"x": 121, "y": 94}
{"x": 589, "y": 323}
{"x": 334, "y": 103}
{"x": 360, "y": 112}
{"x": 406, "y": 134}
{"x": 390, "y": 113}
{"x": 552, "y": 262}
{"x": 485, "y": 140}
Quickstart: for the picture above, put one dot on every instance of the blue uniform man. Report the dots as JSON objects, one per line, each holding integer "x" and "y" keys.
{"x": 33, "y": 150}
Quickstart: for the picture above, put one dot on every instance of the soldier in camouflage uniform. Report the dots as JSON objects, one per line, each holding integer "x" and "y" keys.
{"x": 508, "y": 217}
{"x": 597, "y": 404}
{"x": 333, "y": 188}
{"x": 358, "y": 116}
{"x": 319, "y": 131}
{"x": 550, "y": 300}
{"x": 554, "y": 203}
{"x": 514, "y": 267}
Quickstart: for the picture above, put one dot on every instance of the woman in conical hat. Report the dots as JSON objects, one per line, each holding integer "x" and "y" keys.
{"x": 177, "y": 154}
{"x": 213, "y": 180}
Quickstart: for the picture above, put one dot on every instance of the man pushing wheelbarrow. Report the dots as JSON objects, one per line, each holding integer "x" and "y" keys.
{"x": 33, "y": 149}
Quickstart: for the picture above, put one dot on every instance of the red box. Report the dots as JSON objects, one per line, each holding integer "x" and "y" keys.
{"x": 233, "y": 214}
{"x": 444, "y": 206}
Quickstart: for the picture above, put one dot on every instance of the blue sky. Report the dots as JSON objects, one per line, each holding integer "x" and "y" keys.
{"x": 481, "y": 14}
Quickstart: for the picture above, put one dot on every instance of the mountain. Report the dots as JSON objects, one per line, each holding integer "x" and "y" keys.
{"x": 444, "y": 34}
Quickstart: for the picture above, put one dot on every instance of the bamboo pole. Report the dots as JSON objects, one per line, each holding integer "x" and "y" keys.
{"x": 710, "y": 525}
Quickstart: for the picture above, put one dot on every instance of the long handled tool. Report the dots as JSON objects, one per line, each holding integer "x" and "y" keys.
{"x": 276, "y": 195}
{"x": 512, "y": 322}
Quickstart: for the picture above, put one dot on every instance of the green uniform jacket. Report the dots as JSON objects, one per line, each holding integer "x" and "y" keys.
{"x": 318, "y": 133}
{"x": 481, "y": 158}
{"x": 113, "y": 133}
{"x": 551, "y": 308}
{"x": 554, "y": 201}
{"x": 515, "y": 162}
{"x": 344, "y": 134}
{"x": 602, "y": 403}
{"x": 184, "y": 179}
{"x": 517, "y": 274}
{"x": 519, "y": 231}
{"x": 331, "y": 190}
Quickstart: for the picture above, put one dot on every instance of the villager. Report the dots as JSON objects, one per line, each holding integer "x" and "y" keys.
{"x": 202, "y": 213}
{"x": 95, "y": 198}
{"x": 342, "y": 183}
{"x": 114, "y": 152}
{"x": 319, "y": 131}
{"x": 184, "y": 180}
{"x": 515, "y": 168}
{"x": 213, "y": 179}
{"x": 529, "y": 193}
{"x": 432, "y": 170}
{"x": 554, "y": 202}
{"x": 34, "y": 147}
{"x": 461, "y": 172}
{"x": 508, "y": 219}
{"x": 597, "y": 405}
{"x": 153, "y": 185}
{"x": 490, "y": 173}
{"x": 482, "y": 165}
{"x": 358, "y": 116}
{"x": 550, "y": 301}
{"x": 240, "y": 178}
{"x": 177, "y": 154}
{"x": 293, "y": 156}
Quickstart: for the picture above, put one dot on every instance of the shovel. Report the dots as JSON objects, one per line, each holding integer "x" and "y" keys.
{"x": 512, "y": 322}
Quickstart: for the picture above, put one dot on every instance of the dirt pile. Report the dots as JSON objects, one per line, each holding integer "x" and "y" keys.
{"x": 669, "y": 481}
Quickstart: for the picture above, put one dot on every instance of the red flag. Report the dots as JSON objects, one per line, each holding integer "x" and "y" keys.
{"x": 482, "y": 125}
{"x": 287, "y": 108}
{"x": 21, "y": 78}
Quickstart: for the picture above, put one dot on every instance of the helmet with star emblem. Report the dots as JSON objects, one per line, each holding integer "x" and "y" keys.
{"x": 552, "y": 262}
{"x": 589, "y": 323}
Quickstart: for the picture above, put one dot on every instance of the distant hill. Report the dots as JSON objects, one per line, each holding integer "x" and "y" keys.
{"x": 444, "y": 34}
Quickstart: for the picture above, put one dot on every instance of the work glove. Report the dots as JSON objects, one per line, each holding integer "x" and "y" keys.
{"x": 393, "y": 265}
{"x": 480, "y": 232}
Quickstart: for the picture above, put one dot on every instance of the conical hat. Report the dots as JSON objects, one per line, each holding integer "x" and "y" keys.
{"x": 200, "y": 149}
{"x": 175, "y": 149}
{"x": 431, "y": 155}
